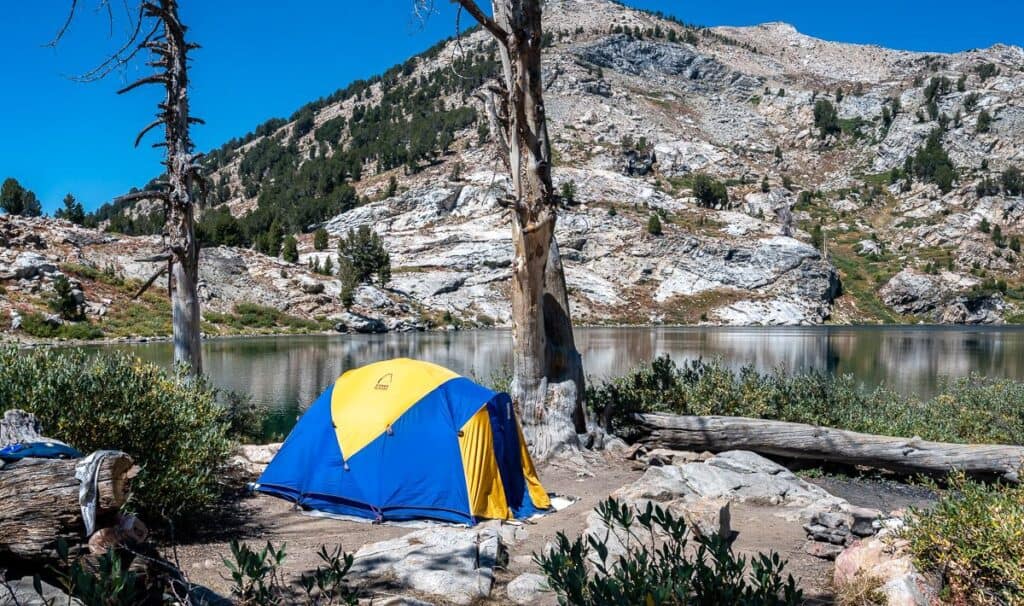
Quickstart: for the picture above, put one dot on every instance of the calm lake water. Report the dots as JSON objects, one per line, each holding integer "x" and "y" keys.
{"x": 286, "y": 374}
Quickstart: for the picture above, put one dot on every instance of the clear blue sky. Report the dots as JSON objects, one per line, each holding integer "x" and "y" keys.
{"x": 264, "y": 58}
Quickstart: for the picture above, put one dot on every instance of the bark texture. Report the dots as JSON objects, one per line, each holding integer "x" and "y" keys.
{"x": 170, "y": 56}
{"x": 40, "y": 505}
{"x": 799, "y": 441}
{"x": 547, "y": 384}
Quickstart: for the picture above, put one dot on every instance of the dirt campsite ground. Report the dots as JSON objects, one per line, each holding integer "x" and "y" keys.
{"x": 258, "y": 519}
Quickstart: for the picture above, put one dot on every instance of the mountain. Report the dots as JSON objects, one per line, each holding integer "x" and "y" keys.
{"x": 795, "y": 180}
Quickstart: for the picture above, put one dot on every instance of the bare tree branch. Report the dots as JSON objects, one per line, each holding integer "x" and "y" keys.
{"x": 149, "y": 282}
{"x": 64, "y": 28}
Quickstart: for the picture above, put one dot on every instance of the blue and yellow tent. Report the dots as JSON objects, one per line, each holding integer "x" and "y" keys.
{"x": 405, "y": 439}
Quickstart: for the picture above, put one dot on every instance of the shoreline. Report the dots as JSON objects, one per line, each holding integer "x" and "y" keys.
{"x": 20, "y": 342}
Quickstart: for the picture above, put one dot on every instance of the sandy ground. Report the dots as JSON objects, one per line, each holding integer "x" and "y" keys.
{"x": 262, "y": 518}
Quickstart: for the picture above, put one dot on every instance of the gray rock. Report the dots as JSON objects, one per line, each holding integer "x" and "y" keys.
{"x": 910, "y": 292}
{"x": 353, "y": 322}
{"x": 455, "y": 564}
{"x": 15, "y": 320}
{"x": 825, "y": 551}
{"x": 706, "y": 517}
{"x": 869, "y": 247}
{"x": 25, "y": 594}
{"x": 530, "y": 589}
{"x": 28, "y": 265}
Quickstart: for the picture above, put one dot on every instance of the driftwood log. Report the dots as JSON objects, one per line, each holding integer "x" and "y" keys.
{"x": 39, "y": 497}
{"x": 809, "y": 442}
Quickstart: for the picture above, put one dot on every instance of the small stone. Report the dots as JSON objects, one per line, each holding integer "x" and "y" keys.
{"x": 825, "y": 551}
{"x": 531, "y": 589}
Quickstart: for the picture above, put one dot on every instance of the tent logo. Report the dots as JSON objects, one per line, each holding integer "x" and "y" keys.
{"x": 384, "y": 383}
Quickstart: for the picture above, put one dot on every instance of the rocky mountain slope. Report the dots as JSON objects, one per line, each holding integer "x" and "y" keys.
{"x": 902, "y": 206}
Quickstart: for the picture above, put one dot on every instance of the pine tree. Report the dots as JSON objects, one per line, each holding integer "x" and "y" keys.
{"x": 71, "y": 211}
{"x": 569, "y": 192}
{"x": 826, "y": 119}
{"x": 16, "y": 200}
{"x": 290, "y": 249}
{"x": 63, "y": 301}
{"x": 984, "y": 121}
{"x": 654, "y": 225}
{"x": 765, "y": 186}
{"x": 392, "y": 187}
{"x": 320, "y": 239}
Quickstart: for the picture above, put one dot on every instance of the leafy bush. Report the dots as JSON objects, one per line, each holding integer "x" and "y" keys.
{"x": 110, "y": 582}
{"x": 173, "y": 428}
{"x": 671, "y": 573}
{"x": 258, "y": 581}
{"x": 974, "y": 538}
{"x": 969, "y": 409}
{"x": 253, "y": 317}
{"x": 36, "y": 325}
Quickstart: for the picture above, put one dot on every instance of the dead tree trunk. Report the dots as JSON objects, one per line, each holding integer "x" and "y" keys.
{"x": 40, "y": 496}
{"x": 170, "y": 50}
{"x": 799, "y": 441}
{"x": 547, "y": 383}
{"x": 159, "y": 31}
{"x": 40, "y": 505}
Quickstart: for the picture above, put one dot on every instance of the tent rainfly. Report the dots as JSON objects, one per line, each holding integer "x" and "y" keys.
{"x": 404, "y": 439}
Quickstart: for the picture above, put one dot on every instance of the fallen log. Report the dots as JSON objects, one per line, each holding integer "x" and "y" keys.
{"x": 39, "y": 497}
{"x": 800, "y": 441}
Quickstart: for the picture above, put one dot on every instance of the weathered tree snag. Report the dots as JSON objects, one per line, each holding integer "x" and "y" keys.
{"x": 799, "y": 441}
{"x": 164, "y": 38}
{"x": 547, "y": 384}
{"x": 40, "y": 505}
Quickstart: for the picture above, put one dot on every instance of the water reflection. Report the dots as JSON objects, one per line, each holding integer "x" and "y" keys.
{"x": 287, "y": 373}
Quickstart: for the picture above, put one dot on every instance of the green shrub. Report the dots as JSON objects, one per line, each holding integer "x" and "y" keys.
{"x": 173, "y": 428}
{"x": 671, "y": 573}
{"x": 654, "y": 225}
{"x": 36, "y": 325}
{"x": 971, "y": 409}
{"x": 974, "y": 538}
{"x": 257, "y": 578}
{"x": 110, "y": 582}
{"x": 709, "y": 191}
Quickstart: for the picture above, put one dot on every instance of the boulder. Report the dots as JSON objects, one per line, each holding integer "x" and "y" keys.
{"x": 706, "y": 517}
{"x": 28, "y": 265}
{"x": 867, "y": 248}
{"x": 22, "y": 592}
{"x": 455, "y": 564}
{"x": 531, "y": 589}
{"x": 891, "y": 564}
{"x": 911, "y": 292}
{"x": 353, "y": 322}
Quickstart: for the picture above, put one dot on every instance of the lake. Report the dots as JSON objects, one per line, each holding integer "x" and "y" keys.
{"x": 285, "y": 374}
